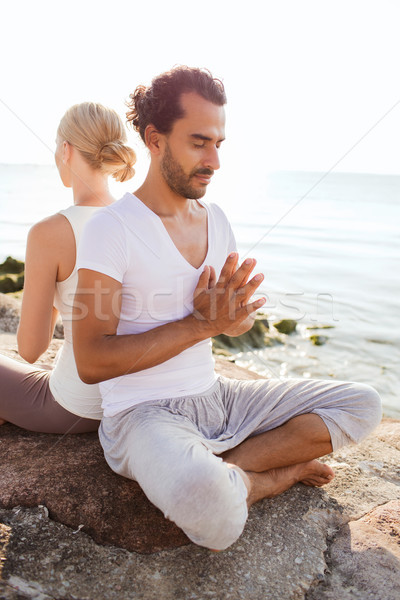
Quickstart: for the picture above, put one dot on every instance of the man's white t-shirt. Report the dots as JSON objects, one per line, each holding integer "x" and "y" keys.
{"x": 129, "y": 242}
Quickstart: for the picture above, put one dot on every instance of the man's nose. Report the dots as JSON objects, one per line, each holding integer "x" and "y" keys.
{"x": 212, "y": 159}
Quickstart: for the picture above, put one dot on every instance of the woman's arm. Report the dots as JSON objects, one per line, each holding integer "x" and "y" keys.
{"x": 45, "y": 244}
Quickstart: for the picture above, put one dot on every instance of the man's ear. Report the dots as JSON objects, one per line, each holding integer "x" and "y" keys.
{"x": 153, "y": 139}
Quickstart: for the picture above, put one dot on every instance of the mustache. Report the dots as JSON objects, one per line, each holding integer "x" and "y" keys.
{"x": 209, "y": 172}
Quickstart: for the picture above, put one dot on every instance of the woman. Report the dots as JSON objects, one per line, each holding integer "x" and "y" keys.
{"x": 91, "y": 145}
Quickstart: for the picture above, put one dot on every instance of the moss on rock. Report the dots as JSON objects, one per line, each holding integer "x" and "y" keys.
{"x": 318, "y": 340}
{"x": 12, "y": 265}
{"x": 254, "y": 338}
{"x": 286, "y": 326}
{"x": 11, "y": 275}
{"x": 11, "y": 283}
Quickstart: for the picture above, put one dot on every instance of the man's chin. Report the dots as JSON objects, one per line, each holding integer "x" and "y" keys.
{"x": 191, "y": 193}
{"x": 197, "y": 192}
{"x": 195, "y": 195}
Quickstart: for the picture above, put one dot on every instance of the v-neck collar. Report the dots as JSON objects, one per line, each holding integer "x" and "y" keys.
{"x": 161, "y": 227}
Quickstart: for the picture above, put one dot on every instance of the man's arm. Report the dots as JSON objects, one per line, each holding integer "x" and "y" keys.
{"x": 102, "y": 354}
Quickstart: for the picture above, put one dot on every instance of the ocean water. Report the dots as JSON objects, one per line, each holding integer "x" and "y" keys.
{"x": 329, "y": 247}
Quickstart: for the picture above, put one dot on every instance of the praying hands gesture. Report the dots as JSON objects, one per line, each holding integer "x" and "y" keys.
{"x": 225, "y": 303}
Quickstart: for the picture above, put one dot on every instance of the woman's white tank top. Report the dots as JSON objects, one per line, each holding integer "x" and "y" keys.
{"x": 68, "y": 390}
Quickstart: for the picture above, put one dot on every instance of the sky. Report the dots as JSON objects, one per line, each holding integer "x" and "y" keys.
{"x": 312, "y": 84}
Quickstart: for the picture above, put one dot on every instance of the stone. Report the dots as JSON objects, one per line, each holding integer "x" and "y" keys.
{"x": 8, "y": 284}
{"x": 10, "y": 309}
{"x": 318, "y": 340}
{"x": 364, "y": 559}
{"x": 12, "y": 265}
{"x": 11, "y": 275}
{"x": 68, "y": 474}
{"x": 63, "y": 472}
{"x": 388, "y": 432}
{"x": 254, "y": 338}
{"x": 340, "y": 541}
{"x": 286, "y": 326}
{"x": 228, "y": 369}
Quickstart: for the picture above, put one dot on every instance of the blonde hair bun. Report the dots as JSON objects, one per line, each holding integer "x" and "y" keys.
{"x": 99, "y": 135}
{"x": 118, "y": 159}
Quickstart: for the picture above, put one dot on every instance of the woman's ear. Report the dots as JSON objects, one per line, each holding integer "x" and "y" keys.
{"x": 153, "y": 139}
{"x": 66, "y": 152}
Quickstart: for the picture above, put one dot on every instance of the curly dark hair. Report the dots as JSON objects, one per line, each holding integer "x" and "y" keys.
{"x": 159, "y": 103}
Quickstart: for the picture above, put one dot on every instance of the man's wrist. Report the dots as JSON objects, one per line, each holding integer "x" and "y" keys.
{"x": 200, "y": 327}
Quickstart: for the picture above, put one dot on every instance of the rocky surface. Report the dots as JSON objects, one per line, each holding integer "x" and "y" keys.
{"x": 68, "y": 474}
{"x": 10, "y": 308}
{"x": 364, "y": 558}
{"x": 340, "y": 542}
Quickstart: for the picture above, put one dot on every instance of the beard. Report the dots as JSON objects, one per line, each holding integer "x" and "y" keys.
{"x": 178, "y": 180}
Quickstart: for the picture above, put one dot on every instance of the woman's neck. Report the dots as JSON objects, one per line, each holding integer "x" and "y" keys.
{"x": 91, "y": 191}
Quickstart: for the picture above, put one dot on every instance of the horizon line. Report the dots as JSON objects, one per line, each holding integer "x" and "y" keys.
{"x": 275, "y": 171}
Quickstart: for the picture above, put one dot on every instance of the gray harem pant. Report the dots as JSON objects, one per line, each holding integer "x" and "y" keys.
{"x": 171, "y": 446}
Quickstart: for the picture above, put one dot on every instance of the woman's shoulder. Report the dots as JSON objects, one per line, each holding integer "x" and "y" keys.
{"x": 48, "y": 223}
{"x": 51, "y": 228}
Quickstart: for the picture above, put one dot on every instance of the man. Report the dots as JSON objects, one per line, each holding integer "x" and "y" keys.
{"x": 158, "y": 277}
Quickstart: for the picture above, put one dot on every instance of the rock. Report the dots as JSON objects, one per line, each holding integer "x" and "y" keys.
{"x": 388, "y": 433}
{"x": 7, "y": 284}
{"x": 10, "y": 309}
{"x": 254, "y": 338}
{"x": 63, "y": 473}
{"x": 222, "y": 352}
{"x": 340, "y": 542}
{"x": 11, "y": 275}
{"x": 12, "y": 265}
{"x": 365, "y": 558}
{"x": 229, "y": 369}
{"x": 318, "y": 340}
{"x": 58, "y": 333}
{"x": 286, "y": 326}
{"x": 68, "y": 474}
{"x": 273, "y": 340}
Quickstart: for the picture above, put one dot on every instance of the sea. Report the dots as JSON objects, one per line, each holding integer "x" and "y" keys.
{"x": 328, "y": 245}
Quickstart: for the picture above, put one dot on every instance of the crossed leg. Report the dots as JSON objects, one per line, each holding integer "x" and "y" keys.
{"x": 273, "y": 461}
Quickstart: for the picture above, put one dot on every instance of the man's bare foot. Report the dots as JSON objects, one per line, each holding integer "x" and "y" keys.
{"x": 276, "y": 481}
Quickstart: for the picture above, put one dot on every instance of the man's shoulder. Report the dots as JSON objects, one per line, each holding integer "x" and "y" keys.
{"x": 217, "y": 213}
{"x": 122, "y": 206}
{"x": 113, "y": 213}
